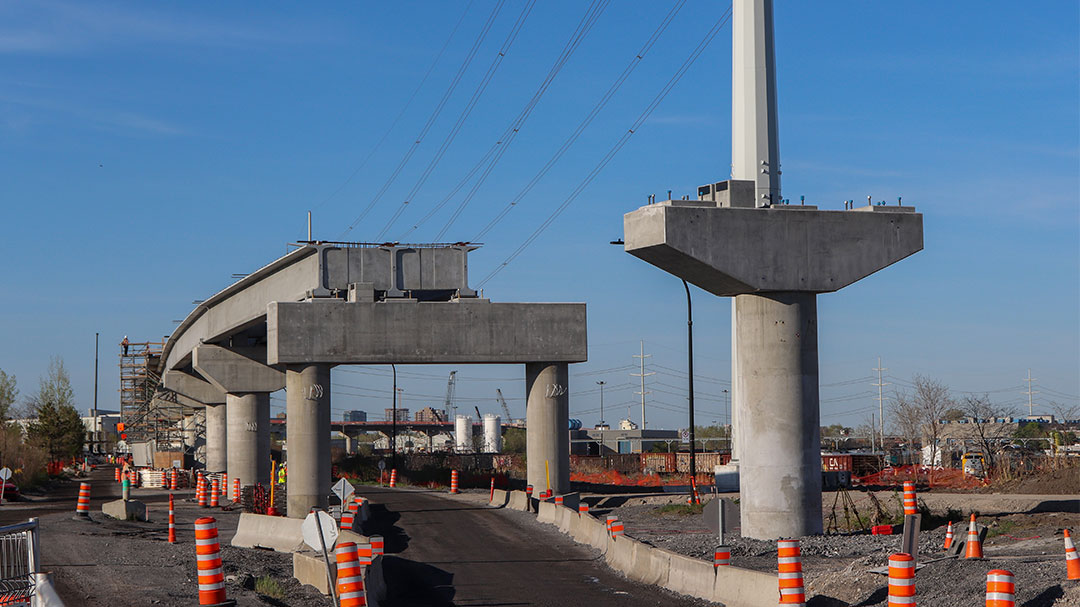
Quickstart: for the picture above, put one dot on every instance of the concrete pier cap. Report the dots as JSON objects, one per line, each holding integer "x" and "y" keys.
{"x": 773, "y": 260}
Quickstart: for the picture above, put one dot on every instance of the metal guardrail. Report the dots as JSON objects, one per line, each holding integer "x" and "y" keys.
{"x": 20, "y": 555}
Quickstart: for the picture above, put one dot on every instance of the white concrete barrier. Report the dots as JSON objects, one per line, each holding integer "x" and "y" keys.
{"x": 278, "y": 533}
{"x": 519, "y": 500}
{"x": 501, "y": 497}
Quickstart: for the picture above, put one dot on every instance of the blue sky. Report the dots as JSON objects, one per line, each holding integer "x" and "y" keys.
{"x": 149, "y": 151}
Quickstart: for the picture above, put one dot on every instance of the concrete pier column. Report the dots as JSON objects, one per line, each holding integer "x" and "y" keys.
{"x": 780, "y": 475}
{"x": 249, "y": 437}
{"x": 547, "y": 425}
{"x": 307, "y": 435}
{"x": 216, "y": 433}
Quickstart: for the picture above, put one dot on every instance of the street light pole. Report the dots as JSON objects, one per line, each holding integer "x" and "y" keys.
{"x": 601, "y": 384}
{"x": 690, "y": 374}
{"x": 727, "y": 410}
{"x": 393, "y": 422}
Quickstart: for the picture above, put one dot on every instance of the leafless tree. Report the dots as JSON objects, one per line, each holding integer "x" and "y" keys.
{"x": 932, "y": 401}
{"x": 1064, "y": 411}
{"x": 984, "y": 428}
{"x": 906, "y": 417}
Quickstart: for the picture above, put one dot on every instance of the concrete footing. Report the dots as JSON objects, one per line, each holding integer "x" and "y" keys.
{"x": 125, "y": 510}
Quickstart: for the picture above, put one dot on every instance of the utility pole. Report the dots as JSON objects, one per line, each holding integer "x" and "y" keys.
{"x": 880, "y": 401}
{"x": 601, "y": 384}
{"x": 1030, "y": 393}
{"x": 94, "y": 429}
{"x": 642, "y": 375}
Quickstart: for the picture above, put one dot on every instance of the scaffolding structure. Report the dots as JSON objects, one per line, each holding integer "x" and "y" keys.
{"x": 143, "y": 416}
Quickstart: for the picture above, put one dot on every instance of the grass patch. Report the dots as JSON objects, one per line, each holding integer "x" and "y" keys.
{"x": 1001, "y": 528}
{"x": 679, "y": 509}
{"x": 270, "y": 587}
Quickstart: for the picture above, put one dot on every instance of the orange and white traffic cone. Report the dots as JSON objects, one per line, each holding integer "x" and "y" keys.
{"x": 721, "y": 557}
{"x": 1072, "y": 560}
{"x": 974, "y": 546}
{"x": 82, "y": 507}
{"x": 948, "y": 536}
{"x": 172, "y": 521}
{"x": 453, "y": 481}
{"x": 393, "y": 478}
{"x": 378, "y": 545}
{"x": 789, "y": 561}
{"x": 693, "y": 490}
{"x": 208, "y": 562}
{"x": 901, "y": 580}
{"x": 350, "y": 577}
{"x": 911, "y": 506}
{"x": 1000, "y": 589}
{"x": 215, "y": 491}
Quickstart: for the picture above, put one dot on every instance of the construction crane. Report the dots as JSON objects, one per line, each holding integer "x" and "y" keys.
{"x": 506, "y": 409}
{"x": 449, "y": 408}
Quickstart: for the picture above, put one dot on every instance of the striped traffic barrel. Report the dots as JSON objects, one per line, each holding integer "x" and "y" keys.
{"x": 901, "y": 580}
{"x": 1000, "y": 589}
{"x": 208, "y": 562}
{"x": 789, "y": 562}
{"x": 721, "y": 556}
{"x": 350, "y": 577}
{"x": 911, "y": 506}
{"x": 82, "y": 507}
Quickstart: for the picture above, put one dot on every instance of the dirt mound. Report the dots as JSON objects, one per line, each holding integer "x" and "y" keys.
{"x": 1063, "y": 480}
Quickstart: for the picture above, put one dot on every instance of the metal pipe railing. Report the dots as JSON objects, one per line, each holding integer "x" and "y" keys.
{"x": 20, "y": 560}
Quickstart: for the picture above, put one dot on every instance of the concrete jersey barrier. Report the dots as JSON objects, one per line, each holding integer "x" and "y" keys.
{"x": 278, "y": 533}
{"x": 732, "y": 586}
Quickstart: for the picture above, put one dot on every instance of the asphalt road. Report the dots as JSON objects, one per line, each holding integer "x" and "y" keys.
{"x": 477, "y": 556}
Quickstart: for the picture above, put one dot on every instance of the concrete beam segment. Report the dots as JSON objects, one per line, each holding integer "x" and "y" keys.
{"x": 194, "y": 388}
{"x": 231, "y": 372}
{"x": 289, "y": 278}
{"x": 216, "y": 436}
{"x": 733, "y": 251}
{"x": 307, "y": 426}
{"x": 249, "y": 437}
{"x": 779, "y": 442}
{"x": 547, "y": 426}
{"x": 337, "y": 332}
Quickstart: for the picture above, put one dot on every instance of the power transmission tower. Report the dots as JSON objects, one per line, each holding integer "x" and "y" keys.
{"x": 1030, "y": 393}
{"x": 642, "y": 375}
{"x": 881, "y": 401}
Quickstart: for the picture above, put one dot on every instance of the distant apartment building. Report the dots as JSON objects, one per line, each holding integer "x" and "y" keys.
{"x": 430, "y": 415}
{"x": 355, "y": 416}
{"x": 402, "y": 415}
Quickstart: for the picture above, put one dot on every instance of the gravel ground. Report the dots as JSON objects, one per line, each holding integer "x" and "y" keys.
{"x": 108, "y": 562}
{"x": 836, "y": 566}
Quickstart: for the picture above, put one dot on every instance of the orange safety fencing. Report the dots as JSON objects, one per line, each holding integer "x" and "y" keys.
{"x": 613, "y": 477}
{"x": 945, "y": 478}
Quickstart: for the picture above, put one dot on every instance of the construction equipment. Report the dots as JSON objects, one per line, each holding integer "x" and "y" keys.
{"x": 973, "y": 464}
{"x": 505, "y": 408}
{"x": 449, "y": 407}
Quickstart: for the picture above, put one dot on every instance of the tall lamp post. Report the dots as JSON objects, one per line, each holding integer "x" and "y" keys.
{"x": 690, "y": 374}
{"x": 393, "y": 422}
{"x": 601, "y": 384}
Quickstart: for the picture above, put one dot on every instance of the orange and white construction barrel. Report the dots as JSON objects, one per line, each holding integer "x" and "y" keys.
{"x": 208, "y": 562}
{"x": 378, "y": 545}
{"x": 350, "y": 577}
{"x": 911, "y": 505}
{"x": 364, "y": 554}
{"x": 453, "y": 481}
{"x": 789, "y": 563}
{"x": 1000, "y": 589}
{"x": 393, "y": 478}
{"x": 236, "y": 490}
{"x": 215, "y": 491}
{"x": 901, "y": 580}
{"x": 583, "y": 508}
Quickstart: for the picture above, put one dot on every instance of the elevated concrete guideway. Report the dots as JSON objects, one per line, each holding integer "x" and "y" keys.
{"x": 325, "y": 304}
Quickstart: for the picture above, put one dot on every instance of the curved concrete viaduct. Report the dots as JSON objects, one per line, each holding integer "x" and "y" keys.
{"x": 325, "y": 304}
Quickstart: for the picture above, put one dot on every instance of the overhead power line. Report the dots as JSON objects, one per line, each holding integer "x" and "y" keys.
{"x": 502, "y": 144}
{"x": 618, "y": 145}
{"x": 462, "y": 117}
{"x": 432, "y": 118}
{"x": 401, "y": 113}
{"x": 569, "y": 142}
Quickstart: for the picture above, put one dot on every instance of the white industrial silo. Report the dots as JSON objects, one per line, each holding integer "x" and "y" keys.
{"x": 463, "y": 434}
{"x": 492, "y": 433}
